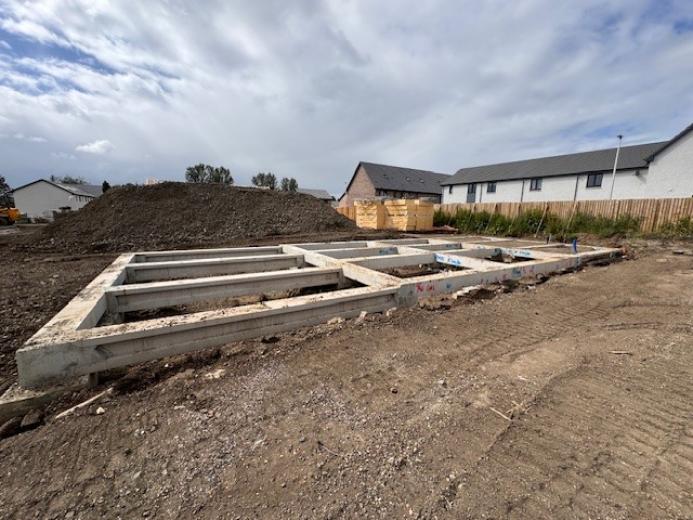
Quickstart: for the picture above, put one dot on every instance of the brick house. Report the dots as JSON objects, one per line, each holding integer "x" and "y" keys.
{"x": 379, "y": 180}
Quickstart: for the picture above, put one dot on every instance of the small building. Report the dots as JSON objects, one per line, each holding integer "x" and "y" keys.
{"x": 372, "y": 180}
{"x": 318, "y": 194}
{"x": 39, "y": 199}
{"x": 643, "y": 171}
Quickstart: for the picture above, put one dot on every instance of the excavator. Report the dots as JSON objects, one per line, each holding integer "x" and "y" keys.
{"x": 9, "y": 216}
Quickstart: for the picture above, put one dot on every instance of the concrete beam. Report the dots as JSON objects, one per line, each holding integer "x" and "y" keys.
{"x": 71, "y": 344}
{"x": 197, "y": 254}
{"x": 350, "y": 269}
{"x": 324, "y": 246}
{"x": 86, "y": 309}
{"x": 160, "y": 271}
{"x": 359, "y": 252}
{"x": 440, "y": 246}
{"x": 128, "y": 298}
{"x": 103, "y": 348}
{"x": 448, "y": 282}
{"x": 390, "y": 261}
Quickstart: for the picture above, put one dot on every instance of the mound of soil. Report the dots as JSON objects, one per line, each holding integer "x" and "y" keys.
{"x": 178, "y": 215}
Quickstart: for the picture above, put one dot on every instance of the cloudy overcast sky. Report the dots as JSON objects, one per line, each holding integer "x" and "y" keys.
{"x": 129, "y": 90}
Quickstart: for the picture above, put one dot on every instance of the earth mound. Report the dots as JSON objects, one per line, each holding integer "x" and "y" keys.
{"x": 179, "y": 215}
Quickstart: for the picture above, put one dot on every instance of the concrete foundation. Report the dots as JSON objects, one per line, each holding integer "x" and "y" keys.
{"x": 77, "y": 341}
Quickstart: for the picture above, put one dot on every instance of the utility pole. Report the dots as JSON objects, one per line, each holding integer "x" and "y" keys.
{"x": 613, "y": 174}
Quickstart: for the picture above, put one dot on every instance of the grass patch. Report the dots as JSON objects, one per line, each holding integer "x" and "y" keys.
{"x": 536, "y": 221}
{"x": 681, "y": 229}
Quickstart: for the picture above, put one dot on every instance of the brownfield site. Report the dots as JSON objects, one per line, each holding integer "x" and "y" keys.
{"x": 566, "y": 396}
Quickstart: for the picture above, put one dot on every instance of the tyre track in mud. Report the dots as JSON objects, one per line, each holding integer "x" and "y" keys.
{"x": 600, "y": 440}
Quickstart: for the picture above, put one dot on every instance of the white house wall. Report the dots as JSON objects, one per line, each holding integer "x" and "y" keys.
{"x": 39, "y": 200}
{"x": 672, "y": 170}
{"x": 669, "y": 175}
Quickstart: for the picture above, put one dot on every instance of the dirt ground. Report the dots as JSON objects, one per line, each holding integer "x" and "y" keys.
{"x": 180, "y": 215}
{"x": 569, "y": 399}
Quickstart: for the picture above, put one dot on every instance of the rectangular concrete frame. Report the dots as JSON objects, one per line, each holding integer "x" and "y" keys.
{"x": 71, "y": 344}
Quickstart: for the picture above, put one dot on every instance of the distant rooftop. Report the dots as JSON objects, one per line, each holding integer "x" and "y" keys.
{"x": 318, "y": 194}
{"x": 630, "y": 158}
{"x": 83, "y": 190}
{"x": 397, "y": 178}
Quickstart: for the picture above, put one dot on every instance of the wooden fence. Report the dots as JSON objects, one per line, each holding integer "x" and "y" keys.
{"x": 652, "y": 213}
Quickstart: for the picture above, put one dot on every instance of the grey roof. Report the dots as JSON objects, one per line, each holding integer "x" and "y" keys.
{"x": 674, "y": 139}
{"x": 318, "y": 194}
{"x": 84, "y": 190}
{"x": 631, "y": 157}
{"x": 395, "y": 178}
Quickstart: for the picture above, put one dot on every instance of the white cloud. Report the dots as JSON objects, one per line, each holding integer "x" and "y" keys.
{"x": 96, "y": 147}
{"x": 5, "y": 45}
{"x": 306, "y": 89}
{"x": 63, "y": 155}
{"x": 21, "y": 137}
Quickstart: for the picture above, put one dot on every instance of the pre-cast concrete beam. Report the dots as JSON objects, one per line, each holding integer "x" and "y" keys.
{"x": 160, "y": 271}
{"x": 359, "y": 252}
{"x": 197, "y": 254}
{"x": 113, "y": 346}
{"x": 128, "y": 298}
{"x": 72, "y": 344}
{"x": 390, "y": 261}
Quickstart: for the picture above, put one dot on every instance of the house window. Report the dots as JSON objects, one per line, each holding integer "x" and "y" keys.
{"x": 490, "y": 187}
{"x": 594, "y": 180}
{"x": 535, "y": 184}
{"x": 450, "y": 189}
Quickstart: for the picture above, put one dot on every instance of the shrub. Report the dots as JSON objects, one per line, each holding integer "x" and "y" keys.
{"x": 683, "y": 228}
{"x": 536, "y": 221}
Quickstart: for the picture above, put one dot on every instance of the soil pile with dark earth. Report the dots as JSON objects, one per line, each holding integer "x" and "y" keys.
{"x": 179, "y": 215}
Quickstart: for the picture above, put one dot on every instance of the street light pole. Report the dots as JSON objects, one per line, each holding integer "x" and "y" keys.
{"x": 613, "y": 174}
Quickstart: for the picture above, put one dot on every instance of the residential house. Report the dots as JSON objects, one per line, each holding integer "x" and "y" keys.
{"x": 372, "y": 180}
{"x": 40, "y": 198}
{"x": 653, "y": 170}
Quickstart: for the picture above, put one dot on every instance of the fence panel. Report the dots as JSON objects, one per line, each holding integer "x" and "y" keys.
{"x": 653, "y": 214}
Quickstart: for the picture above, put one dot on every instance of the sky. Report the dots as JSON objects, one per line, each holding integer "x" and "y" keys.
{"x": 124, "y": 91}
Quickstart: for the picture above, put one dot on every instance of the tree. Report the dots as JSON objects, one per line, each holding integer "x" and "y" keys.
{"x": 105, "y": 186}
{"x": 195, "y": 173}
{"x": 265, "y": 180}
{"x": 68, "y": 179}
{"x": 6, "y": 198}
{"x": 208, "y": 174}
{"x": 288, "y": 184}
{"x": 219, "y": 175}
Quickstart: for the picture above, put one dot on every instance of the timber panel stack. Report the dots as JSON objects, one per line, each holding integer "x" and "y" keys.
{"x": 370, "y": 214}
{"x": 398, "y": 214}
{"x": 424, "y": 215}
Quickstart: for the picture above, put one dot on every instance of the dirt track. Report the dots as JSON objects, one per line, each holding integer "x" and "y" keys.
{"x": 393, "y": 418}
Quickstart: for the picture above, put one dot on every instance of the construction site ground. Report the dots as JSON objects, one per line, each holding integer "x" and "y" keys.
{"x": 567, "y": 399}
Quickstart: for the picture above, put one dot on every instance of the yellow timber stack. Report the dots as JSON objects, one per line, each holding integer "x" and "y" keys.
{"x": 398, "y": 214}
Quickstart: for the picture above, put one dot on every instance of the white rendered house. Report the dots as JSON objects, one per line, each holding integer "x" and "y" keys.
{"x": 653, "y": 170}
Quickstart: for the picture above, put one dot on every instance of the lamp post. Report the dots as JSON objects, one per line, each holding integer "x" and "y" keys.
{"x": 613, "y": 174}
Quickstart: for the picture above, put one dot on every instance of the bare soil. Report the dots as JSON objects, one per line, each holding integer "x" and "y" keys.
{"x": 183, "y": 215}
{"x": 569, "y": 399}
